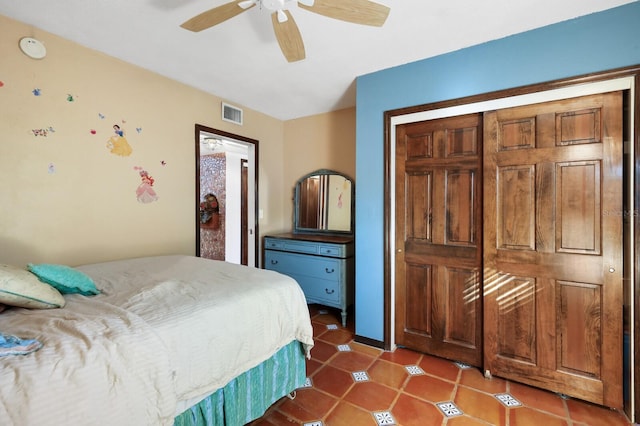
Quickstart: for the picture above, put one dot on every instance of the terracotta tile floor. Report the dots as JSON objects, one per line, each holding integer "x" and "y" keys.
{"x": 356, "y": 385}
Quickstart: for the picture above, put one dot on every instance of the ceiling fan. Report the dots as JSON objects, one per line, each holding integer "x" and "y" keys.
{"x": 363, "y": 12}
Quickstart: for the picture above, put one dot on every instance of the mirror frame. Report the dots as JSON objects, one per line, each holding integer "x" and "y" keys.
{"x": 296, "y": 206}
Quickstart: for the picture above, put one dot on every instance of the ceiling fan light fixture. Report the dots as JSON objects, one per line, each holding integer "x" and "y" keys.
{"x": 282, "y": 17}
{"x": 246, "y": 4}
{"x": 211, "y": 143}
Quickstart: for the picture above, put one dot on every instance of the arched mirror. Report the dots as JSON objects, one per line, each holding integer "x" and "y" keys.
{"x": 324, "y": 203}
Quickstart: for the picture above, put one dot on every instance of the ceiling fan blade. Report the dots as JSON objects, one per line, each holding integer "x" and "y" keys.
{"x": 215, "y": 16}
{"x": 288, "y": 36}
{"x": 363, "y": 12}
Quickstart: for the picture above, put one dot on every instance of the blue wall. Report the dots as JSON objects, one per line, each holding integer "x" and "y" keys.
{"x": 597, "y": 42}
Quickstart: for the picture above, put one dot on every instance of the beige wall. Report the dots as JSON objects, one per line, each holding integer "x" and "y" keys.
{"x": 323, "y": 141}
{"x": 65, "y": 198}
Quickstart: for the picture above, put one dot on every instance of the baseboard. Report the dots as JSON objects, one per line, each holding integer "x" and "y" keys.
{"x": 368, "y": 341}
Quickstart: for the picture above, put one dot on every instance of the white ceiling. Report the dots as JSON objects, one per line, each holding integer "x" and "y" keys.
{"x": 240, "y": 61}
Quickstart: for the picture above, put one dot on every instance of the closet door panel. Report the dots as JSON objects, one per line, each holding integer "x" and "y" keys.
{"x": 516, "y": 318}
{"x": 578, "y": 212}
{"x": 516, "y": 216}
{"x": 439, "y": 238}
{"x": 552, "y": 252}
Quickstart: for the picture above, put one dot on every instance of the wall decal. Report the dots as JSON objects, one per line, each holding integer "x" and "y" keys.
{"x": 164, "y": 163}
{"x": 42, "y": 132}
{"x": 101, "y": 116}
{"x": 145, "y": 192}
{"x": 93, "y": 131}
{"x": 51, "y": 168}
{"x": 1, "y": 83}
{"x": 118, "y": 144}
{"x": 139, "y": 129}
{"x": 71, "y": 98}
{"x": 36, "y": 92}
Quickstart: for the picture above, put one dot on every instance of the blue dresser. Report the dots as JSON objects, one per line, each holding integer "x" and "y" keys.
{"x": 323, "y": 265}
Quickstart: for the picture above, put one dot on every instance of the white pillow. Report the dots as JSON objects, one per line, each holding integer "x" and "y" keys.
{"x": 19, "y": 287}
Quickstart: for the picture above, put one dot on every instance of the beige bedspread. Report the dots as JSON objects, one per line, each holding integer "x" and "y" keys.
{"x": 164, "y": 329}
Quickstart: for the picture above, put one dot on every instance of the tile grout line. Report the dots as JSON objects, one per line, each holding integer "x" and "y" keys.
{"x": 454, "y": 393}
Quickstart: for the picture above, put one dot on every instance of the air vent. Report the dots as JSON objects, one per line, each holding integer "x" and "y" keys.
{"x": 231, "y": 113}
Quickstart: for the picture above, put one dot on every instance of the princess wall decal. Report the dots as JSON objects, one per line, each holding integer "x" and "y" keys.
{"x": 145, "y": 192}
{"x": 118, "y": 143}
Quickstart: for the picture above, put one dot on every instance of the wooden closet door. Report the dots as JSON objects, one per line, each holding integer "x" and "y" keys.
{"x": 553, "y": 246}
{"x": 438, "y": 238}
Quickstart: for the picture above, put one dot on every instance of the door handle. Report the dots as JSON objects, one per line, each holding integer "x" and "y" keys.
{"x": 274, "y": 262}
{"x": 329, "y": 291}
{"x": 329, "y": 271}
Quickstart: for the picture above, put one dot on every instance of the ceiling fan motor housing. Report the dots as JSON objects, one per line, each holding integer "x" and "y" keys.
{"x": 273, "y": 4}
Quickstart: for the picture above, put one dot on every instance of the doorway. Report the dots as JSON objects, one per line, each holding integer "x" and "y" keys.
{"x": 227, "y": 163}
{"x": 569, "y": 89}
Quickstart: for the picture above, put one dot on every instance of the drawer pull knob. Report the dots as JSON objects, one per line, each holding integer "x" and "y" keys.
{"x": 274, "y": 262}
{"x": 329, "y": 271}
{"x": 333, "y": 290}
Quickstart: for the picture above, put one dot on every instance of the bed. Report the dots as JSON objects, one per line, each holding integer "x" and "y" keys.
{"x": 169, "y": 340}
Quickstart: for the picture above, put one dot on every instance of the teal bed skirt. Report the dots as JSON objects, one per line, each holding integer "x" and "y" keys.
{"x": 249, "y": 395}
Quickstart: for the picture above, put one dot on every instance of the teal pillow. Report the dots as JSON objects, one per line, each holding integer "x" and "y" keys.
{"x": 64, "y": 278}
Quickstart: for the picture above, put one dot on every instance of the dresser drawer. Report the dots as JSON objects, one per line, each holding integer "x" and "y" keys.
{"x": 331, "y": 250}
{"x": 309, "y": 247}
{"x": 321, "y": 291}
{"x": 301, "y": 247}
{"x": 299, "y": 264}
{"x": 273, "y": 243}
